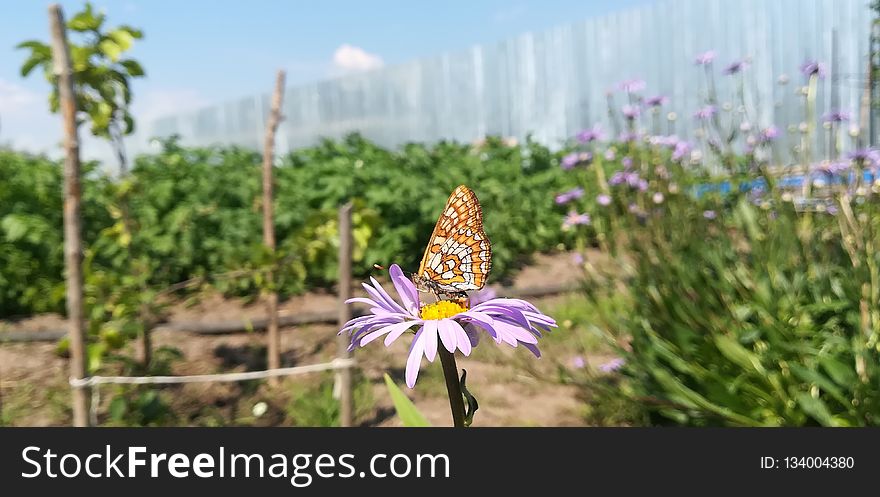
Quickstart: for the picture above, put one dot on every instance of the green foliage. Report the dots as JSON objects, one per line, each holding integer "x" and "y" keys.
{"x": 141, "y": 405}
{"x": 408, "y": 413}
{"x": 102, "y": 77}
{"x": 316, "y": 406}
{"x": 763, "y": 315}
{"x": 194, "y": 214}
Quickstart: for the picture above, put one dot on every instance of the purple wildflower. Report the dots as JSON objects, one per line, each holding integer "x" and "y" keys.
{"x": 612, "y": 365}
{"x": 682, "y": 148}
{"x": 836, "y": 116}
{"x": 603, "y": 199}
{"x": 631, "y": 111}
{"x": 566, "y": 197}
{"x": 628, "y": 136}
{"x": 867, "y": 156}
{"x": 633, "y": 85}
{"x": 706, "y": 112}
{"x": 656, "y": 101}
{"x": 705, "y": 58}
{"x": 710, "y": 214}
{"x": 592, "y": 134}
{"x": 735, "y": 67}
{"x": 575, "y": 219}
{"x": 570, "y": 160}
{"x": 627, "y": 162}
{"x": 444, "y": 323}
{"x": 578, "y": 362}
{"x": 769, "y": 134}
{"x": 813, "y": 68}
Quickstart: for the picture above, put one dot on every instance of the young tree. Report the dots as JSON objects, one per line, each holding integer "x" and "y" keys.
{"x": 101, "y": 76}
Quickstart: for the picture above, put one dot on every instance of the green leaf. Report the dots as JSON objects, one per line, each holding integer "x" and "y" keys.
{"x": 408, "y": 413}
{"x": 111, "y": 49}
{"x": 133, "y": 67}
{"x": 472, "y": 404}
{"x": 816, "y": 408}
{"x": 738, "y": 354}
{"x": 85, "y": 20}
{"x": 118, "y": 407}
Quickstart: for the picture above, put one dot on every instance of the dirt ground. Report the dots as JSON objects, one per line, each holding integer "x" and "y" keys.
{"x": 513, "y": 388}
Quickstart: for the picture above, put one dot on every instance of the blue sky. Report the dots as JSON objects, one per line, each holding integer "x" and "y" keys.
{"x": 200, "y": 52}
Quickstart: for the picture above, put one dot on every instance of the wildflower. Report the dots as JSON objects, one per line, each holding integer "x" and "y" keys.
{"x": 867, "y": 156}
{"x": 589, "y": 135}
{"x": 631, "y": 111}
{"x": 612, "y": 365}
{"x": 706, "y": 112}
{"x": 656, "y": 101}
{"x": 628, "y": 136}
{"x": 813, "y": 68}
{"x": 566, "y": 197}
{"x": 445, "y": 323}
{"x": 657, "y": 198}
{"x": 705, "y": 58}
{"x": 578, "y": 362}
{"x": 603, "y": 199}
{"x": 682, "y": 149}
{"x": 610, "y": 154}
{"x": 735, "y": 67}
{"x": 577, "y": 258}
{"x": 574, "y": 219}
{"x": 627, "y": 162}
{"x": 710, "y": 214}
{"x": 836, "y": 116}
{"x": 570, "y": 160}
{"x": 768, "y": 134}
{"x": 633, "y": 85}
{"x": 486, "y": 294}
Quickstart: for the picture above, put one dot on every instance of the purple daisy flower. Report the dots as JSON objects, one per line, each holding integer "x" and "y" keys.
{"x": 813, "y": 68}
{"x": 867, "y": 156}
{"x": 566, "y": 197}
{"x": 705, "y": 58}
{"x": 633, "y": 85}
{"x": 603, "y": 199}
{"x": 570, "y": 160}
{"x": 769, "y": 134}
{"x": 612, "y": 365}
{"x": 836, "y": 116}
{"x": 706, "y": 112}
{"x": 445, "y": 323}
{"x": 590, "y": 135}
{"x": 575, "y": 219}
{"x": 735, "y": 67}
{"x": 656, "y": 101}
{"x": 682, "y": 149}
{"x": 627, "y": 162}
{"x": 631, "y": 111}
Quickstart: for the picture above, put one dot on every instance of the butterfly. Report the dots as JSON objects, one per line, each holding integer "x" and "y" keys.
{"x": 458, "y": 256}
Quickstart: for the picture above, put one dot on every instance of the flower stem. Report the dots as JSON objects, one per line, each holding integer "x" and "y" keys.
{"x": 453, "y": 388}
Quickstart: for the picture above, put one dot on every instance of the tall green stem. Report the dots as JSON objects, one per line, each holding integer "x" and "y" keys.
{"x": 453, "y": 388}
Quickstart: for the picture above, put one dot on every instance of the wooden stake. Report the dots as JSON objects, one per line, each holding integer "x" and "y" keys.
{"x": 72, "y": 222}
{"x": 274, "y": 340}
{"x": 343, "y": 376}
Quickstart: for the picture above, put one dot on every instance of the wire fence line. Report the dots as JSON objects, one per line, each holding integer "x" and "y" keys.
{"x": 92, "y": 381}
{"x": 554, "y": 83}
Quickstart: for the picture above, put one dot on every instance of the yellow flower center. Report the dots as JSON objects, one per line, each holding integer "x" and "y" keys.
{"x": 442, "y": 309}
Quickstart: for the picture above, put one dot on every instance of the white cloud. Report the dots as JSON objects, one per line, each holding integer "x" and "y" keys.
{"x": 351, "y": 58}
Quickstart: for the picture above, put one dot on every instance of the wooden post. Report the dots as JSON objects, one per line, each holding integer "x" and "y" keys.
{"x": 343, "y": 376}
{"x": 274, "y": 340}
{"x": 72, "y": 222}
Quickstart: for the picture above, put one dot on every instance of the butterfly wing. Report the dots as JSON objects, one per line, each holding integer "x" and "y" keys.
{"x": 459, "y": 255}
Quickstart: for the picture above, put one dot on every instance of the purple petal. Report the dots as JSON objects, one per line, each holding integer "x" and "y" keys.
{"x": 415, "y": 358}
{"x": 393, "y": 303}
{"x": 401, "y": 327}
{"x": 377, "y": 297}
{"x": 362, "y": 300}
{"x": 461, "y": 338}
{"x": 447, "y": 334}
{"x": 473, "y": 334}
{"x": 395, "y": 333}
{"x": 533, "y": 349}
{"x": 430, "y": 340}
{"x": 405, "y": 288}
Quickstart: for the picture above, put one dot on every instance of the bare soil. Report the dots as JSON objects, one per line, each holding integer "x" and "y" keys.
{"x": 514, "y": 388}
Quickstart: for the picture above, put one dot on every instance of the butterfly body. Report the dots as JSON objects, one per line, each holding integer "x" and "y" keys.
{"x": 459, "y": 255}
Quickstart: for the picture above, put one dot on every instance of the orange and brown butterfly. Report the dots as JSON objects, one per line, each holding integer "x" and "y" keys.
{"x": 459, "y": 255}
